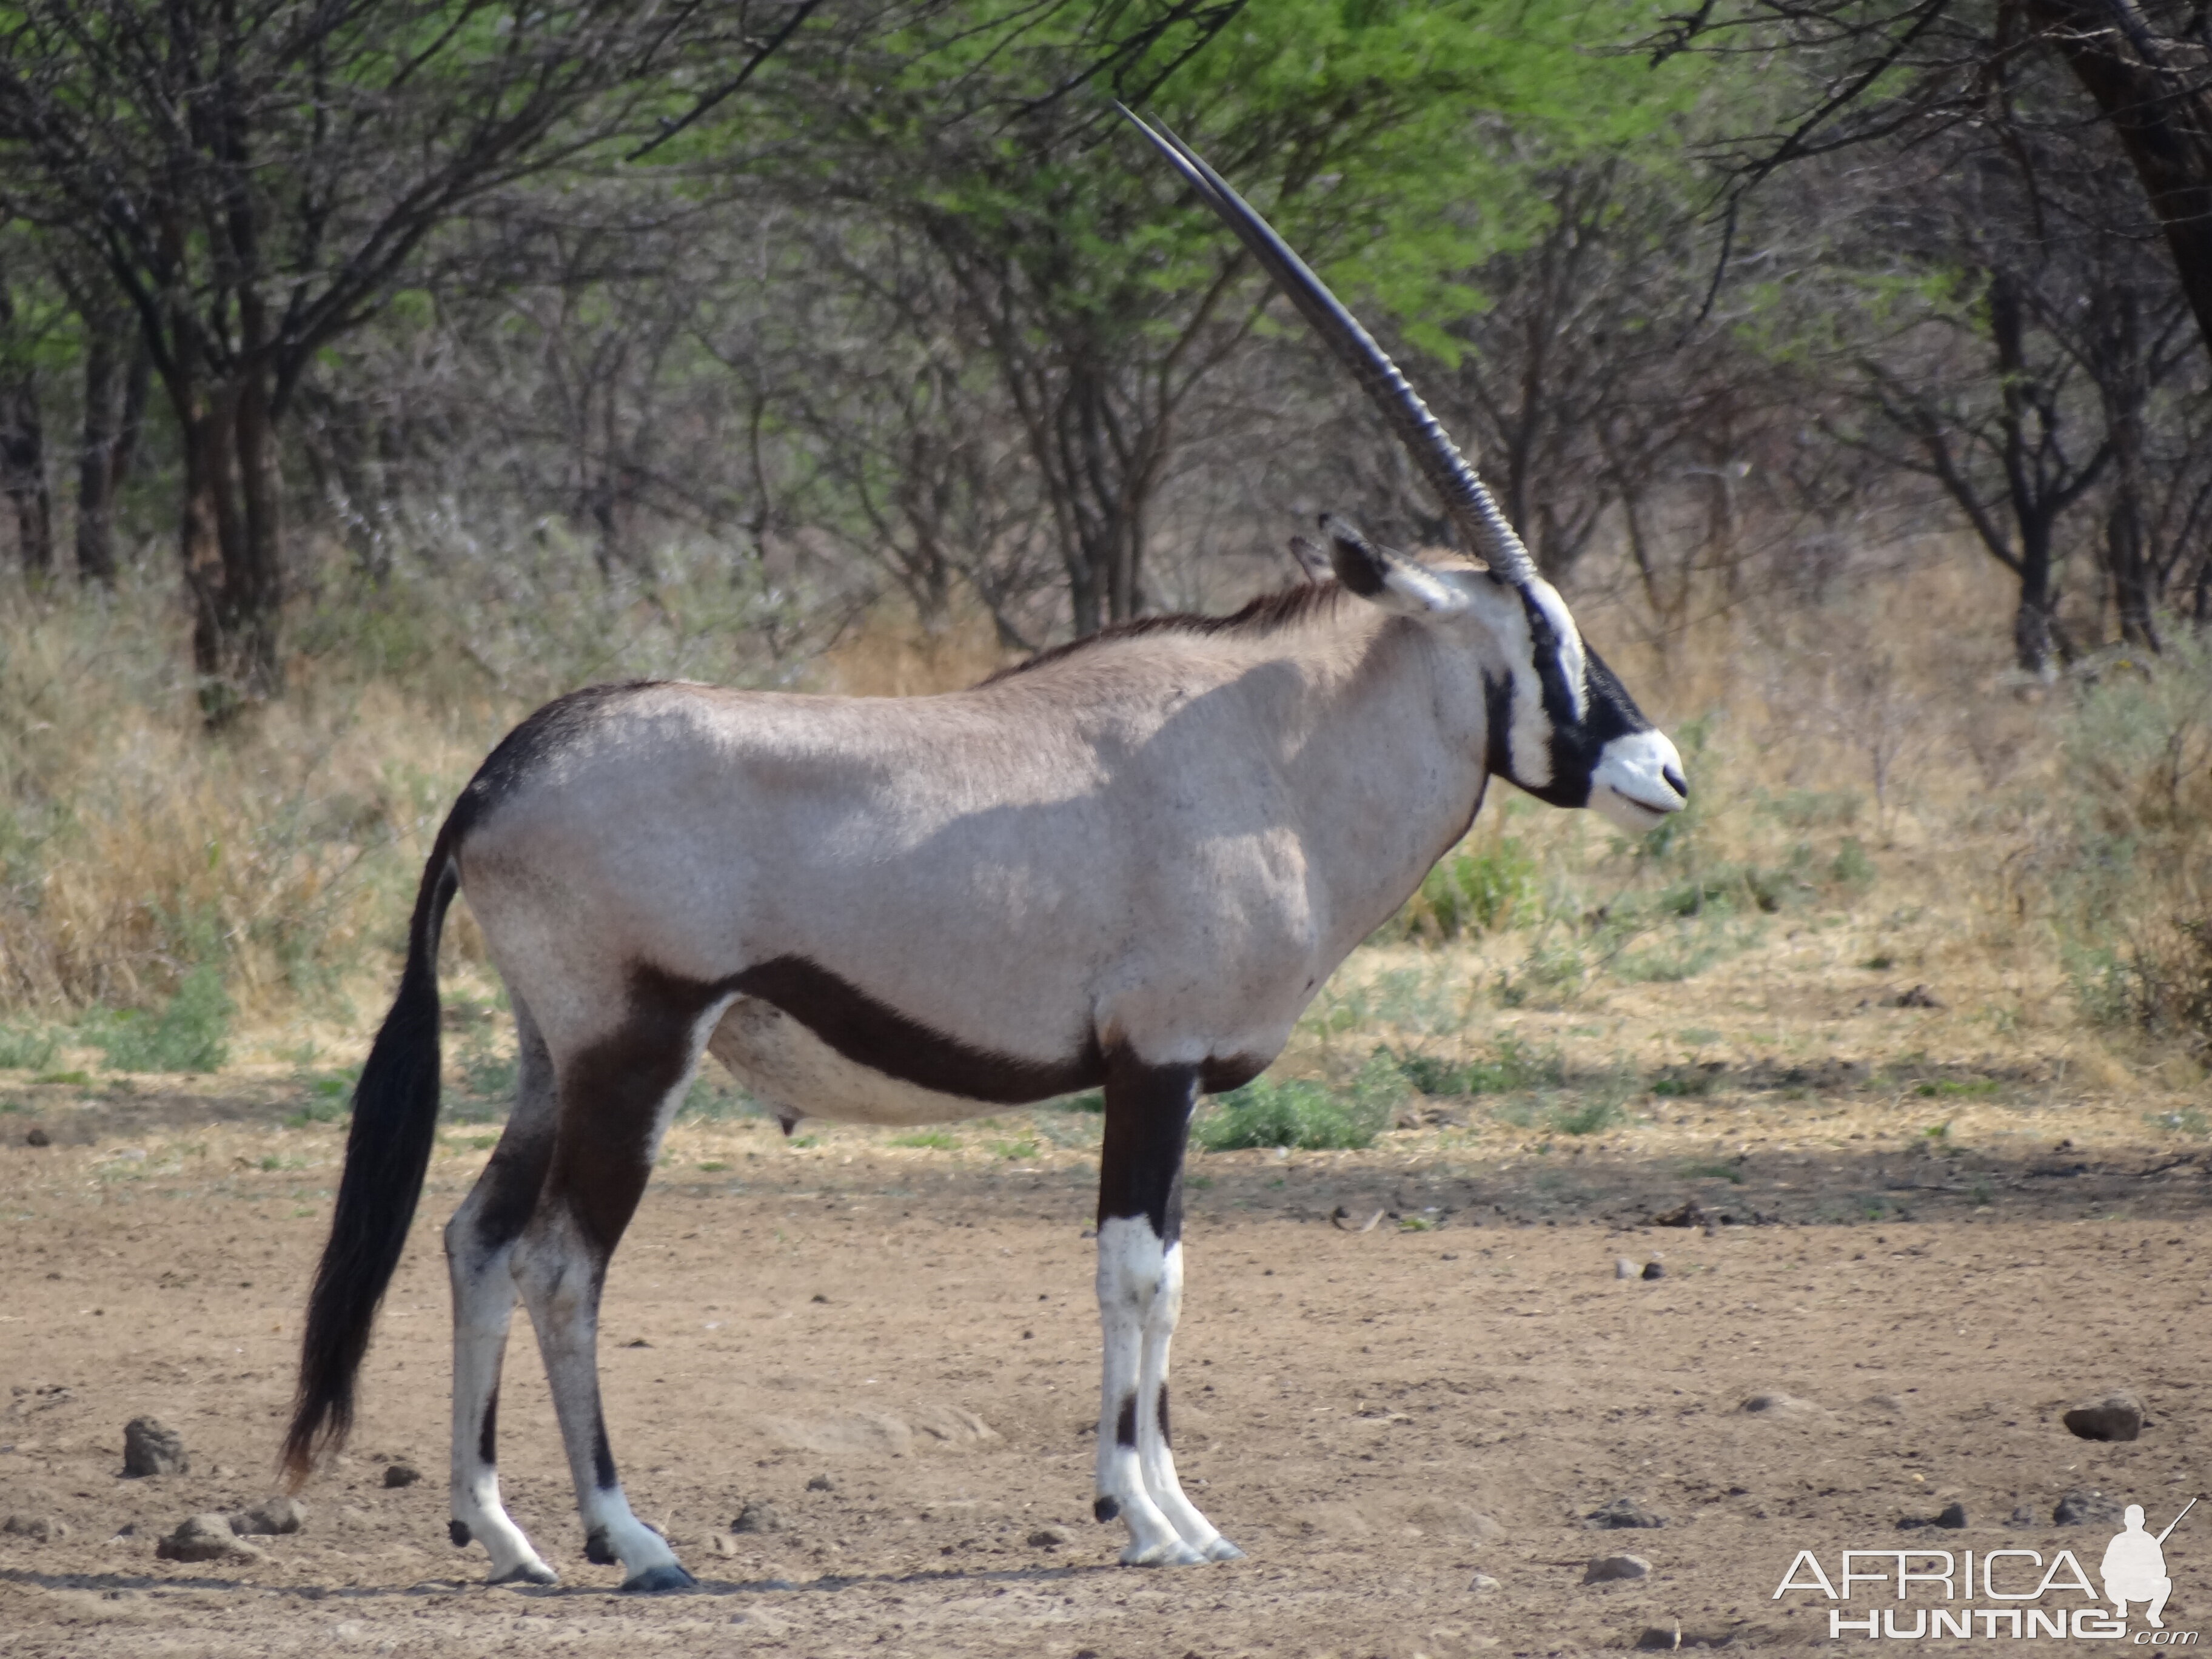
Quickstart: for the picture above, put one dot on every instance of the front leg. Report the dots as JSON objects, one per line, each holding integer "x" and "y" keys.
{"x": 1148, "y": 1110}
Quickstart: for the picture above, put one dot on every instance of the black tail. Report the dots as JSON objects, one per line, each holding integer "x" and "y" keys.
{"x": 395, "y": 1123}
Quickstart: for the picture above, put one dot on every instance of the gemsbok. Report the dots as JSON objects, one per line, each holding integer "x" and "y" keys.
{"x": 1129, "y": 862}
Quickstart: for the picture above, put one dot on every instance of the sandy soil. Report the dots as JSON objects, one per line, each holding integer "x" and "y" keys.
{"x": 1377, "y": 1416}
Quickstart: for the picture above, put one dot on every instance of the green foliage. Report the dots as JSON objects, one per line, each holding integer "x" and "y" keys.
{"x": 2135, "y": 928}
{"x": 1593, "y": 1115}
{"x": 1510, "y": 1065}
{"x": 935, "y": 1140}
{"x": 190, "y": 1033}
{"x": 27, "y": 1048}
{"x": 1305, "y": 1115}
{"x": 1475, "y": 889}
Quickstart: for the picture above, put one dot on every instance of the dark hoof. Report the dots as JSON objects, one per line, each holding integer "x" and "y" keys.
{"x": 655, "y": 1579}
{"x": 458, "y": 1532}
{"x": 527, "y": 1575}
{"x": 1104, "y": 1509}
{"x": 599, "y": 1552}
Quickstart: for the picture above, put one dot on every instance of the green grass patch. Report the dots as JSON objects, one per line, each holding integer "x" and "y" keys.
{"x": 1308, "y": 1116}
{"x": 1727, "y": 1172}
{"x": 933, "y": 1140}
{"x": 1476, "y": 889}
{"x": 1953, "y": 1088}
{"x": 191, "y": 1032}
{"x": 1510, "y": 1065}
{"x": 1590, "y": 1116}
{"x": 26, "y": 1049}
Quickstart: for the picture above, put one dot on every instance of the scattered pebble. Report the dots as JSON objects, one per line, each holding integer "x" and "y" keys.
{"x": 35, "y": 1136}
{"x": 1483, "y": 1584}
{"x": 1625, "y": 1268}
{"x": 1655, "y": 1270}
{"x": 1048, "y": 1538}
{"x": 1612, "y": 1568}
{"x": 1774, "y": 1403}
{"x": 401, "y": 1474}
{"x": 151, "y": 1447}
{"x": 2116, "y": 1417}
{"x": 821, "y": 1483}
{"x": 270, "y": 1516}
{"x": 2085, "y": 1508}
{"x": 1659, "y": 1638}
{"x": 1622, "y": 1513}
{"x": 756, "y": 1516}
{"x": 2022, "y": 1517}
{"x": 39, "y": 1529}
{"x": 206, "y": 1538}
{"x": 1918, "y": 997}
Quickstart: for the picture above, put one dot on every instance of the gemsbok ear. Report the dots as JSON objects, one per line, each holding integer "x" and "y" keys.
{"x": 1311, "y": 560}
{"x": 1389, "y": 579}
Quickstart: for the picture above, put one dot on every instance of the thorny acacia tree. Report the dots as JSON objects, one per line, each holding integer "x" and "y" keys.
{"x": 255, "y": 179}
{"x": 1101, "y": 297}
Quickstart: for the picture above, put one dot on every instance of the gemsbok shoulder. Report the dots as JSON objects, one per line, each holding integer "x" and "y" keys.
{"x": 1130, "y": 862}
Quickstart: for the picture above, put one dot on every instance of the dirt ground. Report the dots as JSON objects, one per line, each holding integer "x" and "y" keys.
{"x": 1378, "y": 1413}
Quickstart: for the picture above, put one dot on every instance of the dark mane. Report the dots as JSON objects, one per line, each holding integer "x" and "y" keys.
{"x": 1264, "y": 615}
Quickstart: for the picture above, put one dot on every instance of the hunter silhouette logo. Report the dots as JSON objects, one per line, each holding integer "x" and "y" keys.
{"x": 2134, "y": 1567}
{"x": 2022, "y": 1593}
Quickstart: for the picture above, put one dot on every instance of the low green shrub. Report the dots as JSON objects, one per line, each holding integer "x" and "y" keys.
{"x": 192, "y": 1033}
{"x": 1310, "y": 1116}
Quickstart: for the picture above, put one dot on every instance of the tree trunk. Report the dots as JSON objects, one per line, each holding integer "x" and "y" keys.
{"x": 228, "y": 539}
{"x": 2163, "y": 116}
{"x": 114, "y": 399}
{"x": 23, "y": 453}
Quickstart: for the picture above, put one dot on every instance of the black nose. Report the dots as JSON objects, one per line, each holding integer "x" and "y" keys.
{"x": 1682, "y": 785}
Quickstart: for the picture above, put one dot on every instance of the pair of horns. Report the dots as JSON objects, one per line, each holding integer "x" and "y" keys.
{"x": 1465, "y": 497}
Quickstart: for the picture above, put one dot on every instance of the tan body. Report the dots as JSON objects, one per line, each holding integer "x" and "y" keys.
{"x": 1168, "y": 843}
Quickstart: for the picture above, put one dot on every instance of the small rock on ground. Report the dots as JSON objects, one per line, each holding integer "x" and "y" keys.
{"x": 1045, "y": 1538}
{"x": 1625, "y": 1268}
{"x": 2085, "y": 1509}
{"x": 39, "y": 1529}
{"x": 2024, "y": 1516}
{"x": 1611, "y": 1569}
{"x": 270, "y": 1516}
{"x": 1483, "y": 1584}
{"x": 821, "y": 1483}
{"x": 1660, "y": 1638}
{"x": 1655, "y": 1270}
{"x": 151, "y": 1447}
{"x": 401, "y": 1474}
{"x": 1774, "y": 1403}
{"x": 2116, "y": 1417}
{"x": 35, "y": 1136}
{"x": 206, "y": 1538}
{"x": 756, "y": 1516}
{"x": 1622, "y": 1513}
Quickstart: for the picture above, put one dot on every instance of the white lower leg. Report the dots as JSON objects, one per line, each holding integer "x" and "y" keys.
{"x": 564, "y": 1300}
{"x": 1155, "y": 1455}
{"x": 483, "y": 1307}
{"x": 1131, "y": 1275}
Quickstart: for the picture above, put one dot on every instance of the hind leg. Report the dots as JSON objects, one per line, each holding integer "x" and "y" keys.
{"x": 616, "y": 1096}
{"x": 479, "y": 1250}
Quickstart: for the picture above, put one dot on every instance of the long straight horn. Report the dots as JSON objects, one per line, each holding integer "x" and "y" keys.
{"x": 1464, "y": 495}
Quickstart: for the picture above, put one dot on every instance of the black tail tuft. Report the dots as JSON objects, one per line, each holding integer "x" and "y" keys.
{"x": 395, "y": 1122}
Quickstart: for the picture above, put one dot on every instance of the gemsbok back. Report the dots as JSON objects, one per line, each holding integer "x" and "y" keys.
{"x": 1129, "y": 862}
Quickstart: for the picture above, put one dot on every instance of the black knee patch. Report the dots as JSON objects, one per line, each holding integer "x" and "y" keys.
{"x": 598, "y": 1552}
{"x": 488, "y": 1434}
{"x": 458, "y": 1532}
{"x": 1125, "y": 1426}
{"x": 1105, "y": 1509}
{"x": 1166, "y": 1439}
